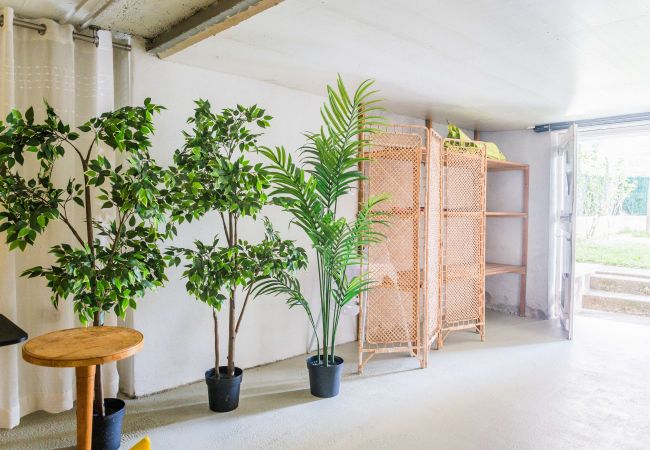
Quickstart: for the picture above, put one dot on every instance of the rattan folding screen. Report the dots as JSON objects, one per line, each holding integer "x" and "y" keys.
{"x": 430, "y": 268}
{"x": 463, "y": 187}
{"x": 400, "y": 314}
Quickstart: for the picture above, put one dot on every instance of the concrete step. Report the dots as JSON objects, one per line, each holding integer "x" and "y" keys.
{"x": 620, "y": 283}
{"x": 616, "y": 302}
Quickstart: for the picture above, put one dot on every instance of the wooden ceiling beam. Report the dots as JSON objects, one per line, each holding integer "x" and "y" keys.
{"x": 217, "y": 17}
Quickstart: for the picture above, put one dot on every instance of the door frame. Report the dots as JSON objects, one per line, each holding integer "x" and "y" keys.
{"x": 563, "y": 228}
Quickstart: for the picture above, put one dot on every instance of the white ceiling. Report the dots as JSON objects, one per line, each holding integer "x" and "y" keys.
{"x": 495, "y": 64}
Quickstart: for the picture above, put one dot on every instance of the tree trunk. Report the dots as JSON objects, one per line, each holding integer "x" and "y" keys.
{"x": 98, "y": 319}
{"x": 216, "y": 343}
{"x": 231, "y": 334}
{"x": 98, "y": 402}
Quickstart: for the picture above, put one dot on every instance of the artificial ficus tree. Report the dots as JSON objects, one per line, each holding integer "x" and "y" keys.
{"x": 105, "y": 264}
{"x": 215, "y": 271}
{"x": 212, "y": 173}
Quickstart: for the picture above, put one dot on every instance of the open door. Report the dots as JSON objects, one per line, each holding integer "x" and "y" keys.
{"x": 563, "y": 213}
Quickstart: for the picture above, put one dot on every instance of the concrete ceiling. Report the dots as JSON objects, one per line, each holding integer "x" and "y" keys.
{"x": 491, "y": 64}
{"x": 145, "y": 18}
{"x": 495, "y": 64}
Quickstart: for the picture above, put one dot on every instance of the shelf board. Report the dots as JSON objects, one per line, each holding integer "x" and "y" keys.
{"x": 505, "y": 214}
{"x": 494, "y": 165}
{"x": 496, "y": 269}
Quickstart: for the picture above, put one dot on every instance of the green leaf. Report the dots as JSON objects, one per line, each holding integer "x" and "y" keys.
{"x": 29, "y": 115}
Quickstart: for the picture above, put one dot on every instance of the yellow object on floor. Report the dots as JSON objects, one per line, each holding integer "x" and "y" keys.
{"x": 491, "y": 149}
{"x": 144, "y": 444}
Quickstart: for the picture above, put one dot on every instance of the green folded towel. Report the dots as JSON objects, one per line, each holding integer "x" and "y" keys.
{"x": 491, "y": 149}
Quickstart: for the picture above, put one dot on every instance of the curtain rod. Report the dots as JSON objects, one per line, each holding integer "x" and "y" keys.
{"x": 626, "y": 118}
{"x": 41, "y": 28}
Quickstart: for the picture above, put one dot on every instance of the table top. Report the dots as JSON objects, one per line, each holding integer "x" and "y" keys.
{"x": 10, "y": 333}
{"x": 79, "y": 347}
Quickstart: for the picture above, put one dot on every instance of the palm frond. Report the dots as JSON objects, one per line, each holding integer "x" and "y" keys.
{"x": 293, "y": 190}
{"x": 329, "y": 169}
{"x": 288, "y": 286}
{"x": 332, "y": 155}
{"x": 351, "y": 289}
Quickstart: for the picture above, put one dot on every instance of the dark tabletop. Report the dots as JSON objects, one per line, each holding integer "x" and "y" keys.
{"x": 10, "y": 333}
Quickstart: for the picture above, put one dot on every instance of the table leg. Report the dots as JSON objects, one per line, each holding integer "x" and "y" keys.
{"x": 85, "y": 384}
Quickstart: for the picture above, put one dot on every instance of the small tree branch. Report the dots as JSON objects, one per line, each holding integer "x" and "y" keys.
{"x": 89, "y": 216}
{"x": 225, "y": 229}
{"x": 232, "y": 231}
{"x": 73, "y": 230}
{"x": 90, "y": 149}
{"x": 118, "y": 233}
{"x": 64, "y": 219}
{"x": 243, "y": 308}
{"x": 76, "y": 149}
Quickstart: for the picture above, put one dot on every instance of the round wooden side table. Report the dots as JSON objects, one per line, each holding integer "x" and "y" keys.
{"x": 83, "y": 349}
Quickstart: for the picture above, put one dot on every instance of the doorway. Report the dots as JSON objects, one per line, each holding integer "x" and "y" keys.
{"x": 612, "y": 224}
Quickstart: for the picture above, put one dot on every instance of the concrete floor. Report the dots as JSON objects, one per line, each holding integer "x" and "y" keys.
{"x": 523, "y": 388}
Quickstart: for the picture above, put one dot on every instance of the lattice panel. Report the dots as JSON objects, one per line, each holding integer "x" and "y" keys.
{"x": 394, "y": 169}
{"x": 464, "y": 177}
{"x": 391, "y": 307}
{"x": 463, "y": 301}
{"x": 391, "y": 316}
{"x": 391, "y": 260}
{"x": 391, "y": 312}
{"x": 463, "y": 237}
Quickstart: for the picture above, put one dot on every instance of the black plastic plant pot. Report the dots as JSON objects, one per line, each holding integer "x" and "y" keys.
{"x": 223, "y": 392}
{"x": 107, "y": 430}
{"x": 324, "y": 382}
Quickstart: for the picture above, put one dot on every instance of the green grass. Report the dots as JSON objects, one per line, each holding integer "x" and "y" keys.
{"x": 638, "y": 234}
{"x": 623, "y": 250}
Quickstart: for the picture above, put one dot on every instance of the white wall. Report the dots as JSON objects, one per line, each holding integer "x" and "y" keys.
{"x": 503, "y": 242}
{"x": 178, "y": 330}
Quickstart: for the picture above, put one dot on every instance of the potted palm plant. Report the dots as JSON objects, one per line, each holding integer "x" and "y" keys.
{"x": 111, "y": 263}
{"x": 211, "y": 172}
{"x": 311, "y": 193}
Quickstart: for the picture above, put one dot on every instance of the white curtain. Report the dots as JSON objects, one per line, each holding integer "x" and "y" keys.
{"x": 78, "y": 79}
